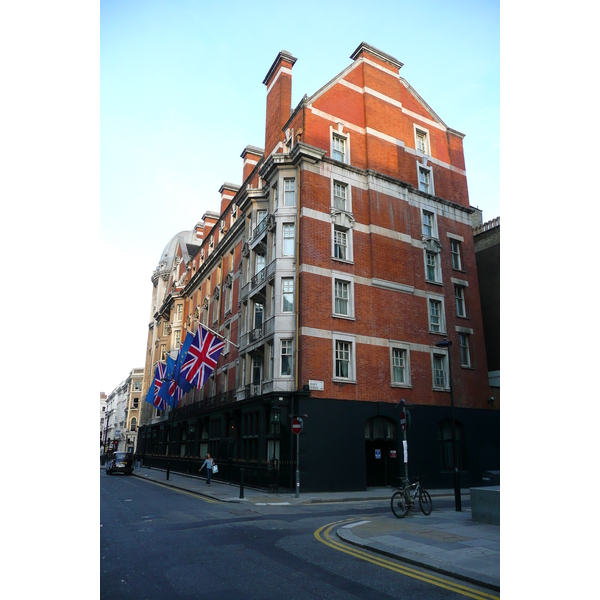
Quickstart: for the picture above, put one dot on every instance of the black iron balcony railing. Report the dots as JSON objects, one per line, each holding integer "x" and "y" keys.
{"x": 259, "y": 278}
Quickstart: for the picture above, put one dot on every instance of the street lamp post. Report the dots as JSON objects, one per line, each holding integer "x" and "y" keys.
{"x": 457, "y": 500}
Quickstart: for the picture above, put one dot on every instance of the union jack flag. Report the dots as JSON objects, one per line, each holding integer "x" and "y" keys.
{"x": 202, "y": 357}
{"x": 158, "y": 383}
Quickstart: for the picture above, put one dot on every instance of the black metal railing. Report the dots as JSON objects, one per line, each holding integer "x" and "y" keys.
{"x": 261, "y": 474}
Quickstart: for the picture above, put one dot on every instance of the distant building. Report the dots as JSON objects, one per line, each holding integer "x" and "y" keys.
{"x": 102, "y": 418}
{"x": 333, "y": 270}
{"x": 487, "y": 254}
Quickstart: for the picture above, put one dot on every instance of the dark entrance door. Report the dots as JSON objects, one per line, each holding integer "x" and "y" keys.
{"x": 380, "y": 443}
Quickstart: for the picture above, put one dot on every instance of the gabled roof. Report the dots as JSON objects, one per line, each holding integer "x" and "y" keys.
{"x": 392, "y": 61}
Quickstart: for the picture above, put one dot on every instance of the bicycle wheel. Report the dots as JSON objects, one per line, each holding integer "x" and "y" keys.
{"x": 399, "y": 505}
{"x": 425, "y": 502}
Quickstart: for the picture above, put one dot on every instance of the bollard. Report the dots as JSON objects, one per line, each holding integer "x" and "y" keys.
{"x": 242, "y": 483}
{"x": 168, "y": 469}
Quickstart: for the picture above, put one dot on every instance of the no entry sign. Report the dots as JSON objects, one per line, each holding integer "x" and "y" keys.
{"x": 403, "y": 421}
{"x": 297, "y": 425}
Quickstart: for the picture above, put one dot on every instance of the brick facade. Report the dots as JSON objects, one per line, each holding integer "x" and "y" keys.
{"x": 334, "y": 269}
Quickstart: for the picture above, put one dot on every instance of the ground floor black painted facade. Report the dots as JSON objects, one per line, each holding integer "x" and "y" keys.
{"x": 344, "y": 445}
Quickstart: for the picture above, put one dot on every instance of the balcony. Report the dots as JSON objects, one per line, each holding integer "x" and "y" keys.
{"x": 256, "y": 334}
{"x": 258, "y": 279}
{"x": 260, "y": 229}
{"x": 253, "y": 389}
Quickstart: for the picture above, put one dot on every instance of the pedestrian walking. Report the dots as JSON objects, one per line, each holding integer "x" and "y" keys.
{"x": 208, "y": 463}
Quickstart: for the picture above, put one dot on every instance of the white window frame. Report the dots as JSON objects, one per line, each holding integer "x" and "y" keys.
{"x": 286, "y": 192}
{"x": 456, "y": 254}
{"x": 348, "y": 234}
{"x": 226, "y": 337}
{"x": 348, "y": 191}
{"x": 289, "y": 345}
{"x": 341, "y": 135}
{"x": 434, "y": 231}
{"x": 440, "y": 299}
{"x": 422, "y": 167}
{"x": 339, "y": 195}
{"x": 179, "y": 313}
{"x": 283, "y": 293}
{"x": 466, "y": 337}
{"x": 177, "y": 338}
{"x": 437, "y": 267}
{"x": 271, "y": 369}
{"x": 285, "y": 227}
{"x": 425, "y": 133}
{"x": 461, "y": 297}
{"x": 443, "y": 353}
{"x": 275, "y": 201}
{"x": 342, "y": 278}
{"x": 349, "y": 339}
{"x": 405, "y": 348}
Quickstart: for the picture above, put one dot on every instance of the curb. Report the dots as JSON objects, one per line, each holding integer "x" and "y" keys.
{"x": 354, "y": 540}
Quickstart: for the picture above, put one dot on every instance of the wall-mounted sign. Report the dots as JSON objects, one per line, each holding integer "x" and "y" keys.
{"x": 314, "y": 384}
{"x": 377, "y": 453}
{"x": 392, "y": 454}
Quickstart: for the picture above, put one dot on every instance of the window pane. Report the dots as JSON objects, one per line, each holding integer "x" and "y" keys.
{"x": 339, "y": 196}
{"x": 289, "y": 192}
{"x": 288, "y": 294}
{"x": 434, "y": 315}
{"x": 288, "y": 240}
{"x": 340, "y": 244}
{"x": 342, "y": 359}
{"x": 286, "y": 357}
{"x": 398, "y": 360}
{"x": 341, "y": 297}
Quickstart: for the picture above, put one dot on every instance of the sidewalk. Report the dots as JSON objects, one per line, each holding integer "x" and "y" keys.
{"x": 446, "y": 541}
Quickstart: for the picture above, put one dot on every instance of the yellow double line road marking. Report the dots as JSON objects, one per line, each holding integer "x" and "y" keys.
{"x": 322, "y": 534}
{"x": 179, "y": 491}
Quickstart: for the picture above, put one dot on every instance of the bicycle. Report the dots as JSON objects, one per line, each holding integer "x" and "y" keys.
{"x": 405, "y": 496}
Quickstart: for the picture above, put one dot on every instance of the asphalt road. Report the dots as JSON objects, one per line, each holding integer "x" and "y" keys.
{"x": 158, "y": 543}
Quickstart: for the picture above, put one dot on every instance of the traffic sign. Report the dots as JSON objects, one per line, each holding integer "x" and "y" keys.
{"x": 403, "y": 421}
{"x": 297, "y": 425}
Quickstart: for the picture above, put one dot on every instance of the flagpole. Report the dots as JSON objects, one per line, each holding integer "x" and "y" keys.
{"x": 215, "y": 333}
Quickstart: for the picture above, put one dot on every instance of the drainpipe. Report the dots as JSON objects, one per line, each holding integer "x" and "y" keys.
{"x": 297, "y": 307}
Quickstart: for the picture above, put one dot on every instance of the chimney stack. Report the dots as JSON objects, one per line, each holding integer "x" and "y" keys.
{"x": 279, "y": 99}
{"x": 227, "y": 191}
{"x": 251, "y": 155}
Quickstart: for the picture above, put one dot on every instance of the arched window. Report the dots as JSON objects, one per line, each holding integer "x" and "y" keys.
{"x": 446, "y": 447}
{"x": 133, "y": 424}
{"x": 379, "y": 428}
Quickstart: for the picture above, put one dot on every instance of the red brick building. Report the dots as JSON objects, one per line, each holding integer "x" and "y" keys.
{"x": 343, "y": 258}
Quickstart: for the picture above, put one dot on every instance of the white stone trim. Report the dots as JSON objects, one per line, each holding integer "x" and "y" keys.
{"x": 361, "y": 339}
{"x": 462, "y": 282}
{"x": 282, "y": 70}
{"x": 454, "y": 236}
{"x": 466, "y": 330}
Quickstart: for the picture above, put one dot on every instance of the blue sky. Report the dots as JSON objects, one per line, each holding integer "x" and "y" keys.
{"x": 181, "y": 96}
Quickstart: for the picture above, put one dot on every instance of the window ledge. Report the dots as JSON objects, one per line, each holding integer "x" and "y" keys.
{"x": 439, "y": 389}
{"x": 465, "y": 318}
{"x": 434, "y": 282}
{"x": 401, "y": 385}
{"x": 336, "y": 316}
{"x": 341, "y": 260}
{"x": 338, "y": 380}
{"x": 468, "y": 367}
{"x": 444, "y": 333}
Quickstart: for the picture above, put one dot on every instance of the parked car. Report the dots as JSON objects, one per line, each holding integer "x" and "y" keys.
{"x": 119, "y": 462}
